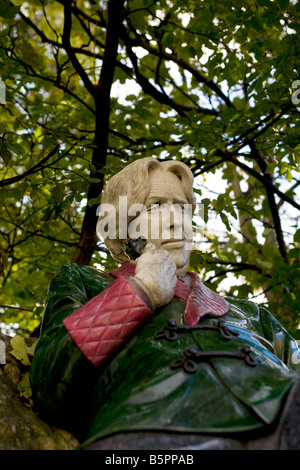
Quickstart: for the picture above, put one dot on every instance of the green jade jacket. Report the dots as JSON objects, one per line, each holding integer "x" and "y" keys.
{"x": 221, "y": 375}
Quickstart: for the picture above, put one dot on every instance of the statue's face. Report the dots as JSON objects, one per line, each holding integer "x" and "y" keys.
{"x": 167, "y": 223}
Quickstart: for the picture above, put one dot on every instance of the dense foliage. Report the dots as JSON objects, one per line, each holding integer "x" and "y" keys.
{"x": 93, "y": 85}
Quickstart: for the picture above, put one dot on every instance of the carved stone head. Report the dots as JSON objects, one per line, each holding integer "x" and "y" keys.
{"x": 149, "y": 199}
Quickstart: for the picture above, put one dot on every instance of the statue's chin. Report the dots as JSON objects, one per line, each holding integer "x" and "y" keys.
{"x": 182, "y": 259}
{"x": 182, "y": 265}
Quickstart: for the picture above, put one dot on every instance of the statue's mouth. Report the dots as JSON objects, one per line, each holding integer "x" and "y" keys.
{"x": 173, "y": 242}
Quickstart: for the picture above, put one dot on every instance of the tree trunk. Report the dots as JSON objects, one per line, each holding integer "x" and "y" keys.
{"x": 20, "y": 427}
{"x": 101, "y": 93}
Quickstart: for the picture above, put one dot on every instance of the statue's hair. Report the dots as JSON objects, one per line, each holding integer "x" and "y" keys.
{"x": 134, "y": 182}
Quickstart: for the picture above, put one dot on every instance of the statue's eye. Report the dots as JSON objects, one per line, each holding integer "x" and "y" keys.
{"x": 155, "y": 205}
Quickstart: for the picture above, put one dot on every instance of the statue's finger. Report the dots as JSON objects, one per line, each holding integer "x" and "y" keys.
{"x": 149, "y": 247}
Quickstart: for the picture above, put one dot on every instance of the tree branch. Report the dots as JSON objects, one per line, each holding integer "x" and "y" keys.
{"x": 236, "y": 264}
{"x": 142, "y": 42}
{"x": 54, "y": 81}
{"x": 269, "y": 124}
{"x": 39, "y": 166}
{"x": 17, "y": 308}
{"x": 67, "y": 44}
{"x": 272, "y": 203}
{"x": 77, "y": 50}
{"x": 160, "y": 96}
{"x": 262, "y": 178}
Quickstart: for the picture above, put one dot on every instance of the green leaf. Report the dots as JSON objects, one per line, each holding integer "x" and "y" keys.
{"x": 225, "y": 221}
{"x": 24, "y": 386}
{"x": 58, "y": 192}
{"x": 19, "y": 349}
{"x": 297, "y": 236}
{"x": 3, "y": 262}
{"x": 7, "y": 11}
{"x": 289, "y": 175}
{"x": 94, "y": 201}
{"x": 283, "y": 4}
{"x": 4, "y": 152}
{"x": 271, "y": 167}
{"x": 37, "y": 311}
{"x": 16, "y": 148}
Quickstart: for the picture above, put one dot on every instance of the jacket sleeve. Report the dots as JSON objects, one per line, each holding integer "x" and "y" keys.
{"x": 105, "y": 323}
{"x": 81, "y": 313}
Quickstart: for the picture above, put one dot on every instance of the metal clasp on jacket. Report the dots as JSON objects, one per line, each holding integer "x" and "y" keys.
{"x": 191, "y": 356}
{"x": 171, "y": 331}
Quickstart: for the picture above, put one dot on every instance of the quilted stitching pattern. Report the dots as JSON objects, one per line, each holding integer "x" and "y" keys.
{"x": 106, "y": 321}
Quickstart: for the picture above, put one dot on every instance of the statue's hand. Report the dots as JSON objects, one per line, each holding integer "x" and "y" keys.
{"x": 155, "y": 273}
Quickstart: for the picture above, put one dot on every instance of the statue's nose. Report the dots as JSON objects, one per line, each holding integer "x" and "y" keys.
{"x": 173, "y": 221}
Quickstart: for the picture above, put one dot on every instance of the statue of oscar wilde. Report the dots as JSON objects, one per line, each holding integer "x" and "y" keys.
{"x": 148, "y": 350}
